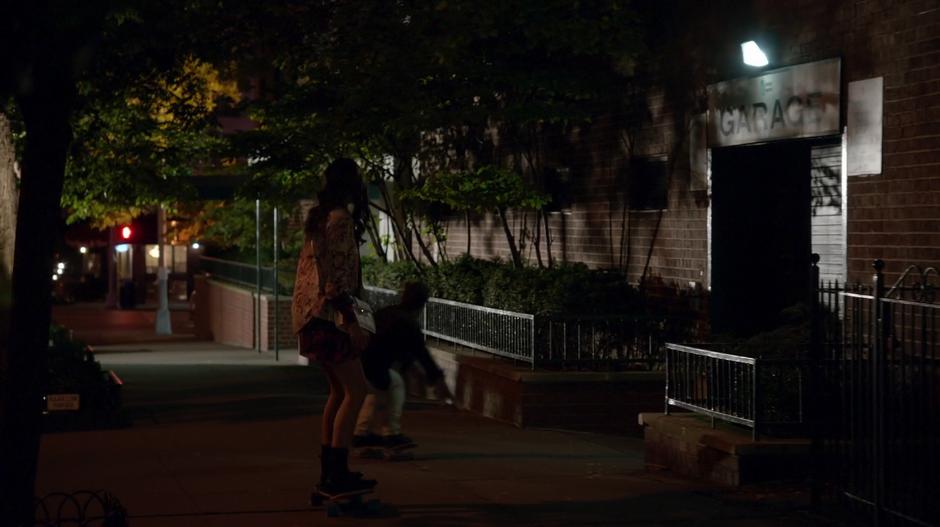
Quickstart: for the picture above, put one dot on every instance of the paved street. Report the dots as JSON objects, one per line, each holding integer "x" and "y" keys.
{"x": 220, "y": 436}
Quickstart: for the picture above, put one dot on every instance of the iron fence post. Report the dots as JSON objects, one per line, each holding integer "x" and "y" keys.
{"x": 668, "y": 373}
{"x": 813, "y": 412}
{"x": 755, "y": 401}
{"x": 257, "y": 320}
{"x": 878, "y": 372}
{"x": 532, "y": 340}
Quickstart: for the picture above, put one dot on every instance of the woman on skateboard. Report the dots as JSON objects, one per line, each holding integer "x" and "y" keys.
{"x": 328, "y": 277}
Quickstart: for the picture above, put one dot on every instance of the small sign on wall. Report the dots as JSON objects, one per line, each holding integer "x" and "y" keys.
{"x": 864, "y": 127}
{"x": 58, "y": 402}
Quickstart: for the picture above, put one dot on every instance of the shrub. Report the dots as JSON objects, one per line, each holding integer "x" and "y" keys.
{"x": 568, "y": 289}
{"x": 72, "y": 368}
{"x": 390, "y": 275}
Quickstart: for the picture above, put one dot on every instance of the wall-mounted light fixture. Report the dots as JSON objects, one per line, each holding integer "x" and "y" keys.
{"x": 753, "y": 55}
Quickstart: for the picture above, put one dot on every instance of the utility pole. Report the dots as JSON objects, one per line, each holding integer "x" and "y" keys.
{"x": 163, "y": 310}
{"x": 111, "y": 301}
{"x": 277, "y": 299}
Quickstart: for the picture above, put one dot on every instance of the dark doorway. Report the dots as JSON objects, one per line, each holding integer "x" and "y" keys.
{"x": 760, "y": 233}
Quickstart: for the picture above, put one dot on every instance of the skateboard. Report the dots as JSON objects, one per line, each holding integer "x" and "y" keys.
{"x": 396, "y": 453}
{"x": 346, "y": 504}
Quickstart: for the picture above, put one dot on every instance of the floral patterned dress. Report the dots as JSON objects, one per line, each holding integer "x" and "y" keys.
{"x": 327, "y": 275}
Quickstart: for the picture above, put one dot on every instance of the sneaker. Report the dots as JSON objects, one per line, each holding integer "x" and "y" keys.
{"x": 367, "y": 440}
{"x": 396, "y": 441}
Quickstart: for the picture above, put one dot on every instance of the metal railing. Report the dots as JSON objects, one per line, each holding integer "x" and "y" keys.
{"x": 611, "y": 342}
{"x": 756, "y": 393}
{"x": 378, "y": 297}
{"x": 237, "y": 272}
{"x": 591, "y": 342}
{"x": 495, "y": 331}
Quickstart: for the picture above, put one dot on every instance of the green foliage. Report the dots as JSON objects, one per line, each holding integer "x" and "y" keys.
{"x": 487, "y": 188}
{"x": 230, "y": 230}
{"x": 569, "y": 289}
{"x": 71, "y": 367}
{"x": 423, "y": 84}
{"x": 391, "y": 275}
{"x": 788, "y": 341}
{"x": 136, "y": 147}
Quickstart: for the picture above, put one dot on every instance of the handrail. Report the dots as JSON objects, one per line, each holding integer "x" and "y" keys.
{"x": 236, "y": 263}
{"x": 924, "y": 275}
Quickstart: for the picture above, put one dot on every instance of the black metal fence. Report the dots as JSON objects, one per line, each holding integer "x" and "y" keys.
{"x": 614, "y": 342}
{"x": 627, "y": 342}
{"x": 879, "y": 396}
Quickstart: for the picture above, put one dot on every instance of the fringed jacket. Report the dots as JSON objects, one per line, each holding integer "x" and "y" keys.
{"x": 327, "y": 272}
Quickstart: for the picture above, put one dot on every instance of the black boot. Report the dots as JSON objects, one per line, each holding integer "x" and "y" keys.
{"x": 326, "y": 463}
{"x": 340, "y": 480}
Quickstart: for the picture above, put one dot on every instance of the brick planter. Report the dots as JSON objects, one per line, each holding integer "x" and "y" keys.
{"x": 595, "y": 401}
{"x": 686, "y": 444}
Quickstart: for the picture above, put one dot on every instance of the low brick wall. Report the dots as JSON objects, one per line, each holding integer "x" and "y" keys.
{"x": 595, "y": 401}
{"x": 285, "y": 332}
{"x": 225, "y": 313}
{"x": 686, "y": 444}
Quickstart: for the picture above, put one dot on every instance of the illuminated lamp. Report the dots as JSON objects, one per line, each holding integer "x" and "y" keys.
{"x": 126, "y": 232}
{"x": 753, "y": 55}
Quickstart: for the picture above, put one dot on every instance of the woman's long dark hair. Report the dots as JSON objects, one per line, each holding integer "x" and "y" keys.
{"x": 343, "y": 185}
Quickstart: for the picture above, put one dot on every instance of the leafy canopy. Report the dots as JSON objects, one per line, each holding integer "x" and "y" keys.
{"x": 136, "y": 148}
{"x": 484, "y": 189}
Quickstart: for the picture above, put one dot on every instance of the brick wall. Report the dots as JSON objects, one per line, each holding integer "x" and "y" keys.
{"x": 285, "y": 332}
{"x": 225, "y": 313}
{"x": 894, "y": 216}
{"x": 598, "y": 229}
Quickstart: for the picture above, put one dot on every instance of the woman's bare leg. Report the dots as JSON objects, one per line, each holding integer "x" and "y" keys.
{"x": 350, "y": 375}
{"x": 331, "y": 407}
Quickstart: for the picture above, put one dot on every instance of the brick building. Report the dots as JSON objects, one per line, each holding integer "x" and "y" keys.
{"x": 727, "y": 176}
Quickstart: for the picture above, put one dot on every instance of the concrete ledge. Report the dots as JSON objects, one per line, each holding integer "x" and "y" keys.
{"x": 507, "y": 370}
{"x": 686, "y": 444}
{"x": 594, "y": 401}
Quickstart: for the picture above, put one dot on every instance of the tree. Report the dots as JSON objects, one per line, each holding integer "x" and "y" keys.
{"x": 485, "y": 189}
{"x": 55, "y": 54}
{"x": 137, "y": 148}
{"x": 415, "y": 88}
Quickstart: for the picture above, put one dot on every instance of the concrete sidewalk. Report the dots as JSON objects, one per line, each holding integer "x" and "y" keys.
{"x": 228, "y": 437}
{"x": 95, "y": 324}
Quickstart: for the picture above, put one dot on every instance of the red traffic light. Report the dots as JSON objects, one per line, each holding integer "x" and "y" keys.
{"x": 126, "y": 232}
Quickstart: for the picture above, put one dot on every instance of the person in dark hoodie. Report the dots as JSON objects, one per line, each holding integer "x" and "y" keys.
{"x": 397, "y": 344}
